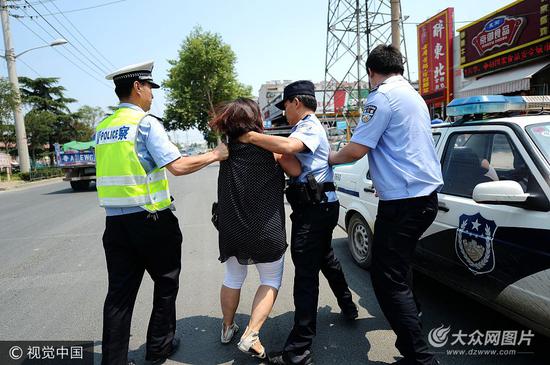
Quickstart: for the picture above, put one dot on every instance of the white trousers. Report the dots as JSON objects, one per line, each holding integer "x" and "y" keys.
{"x": 271, "y": 273}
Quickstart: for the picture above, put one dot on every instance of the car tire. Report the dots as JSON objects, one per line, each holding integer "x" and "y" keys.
{"x": 360, "y": 239}
{"x": 81, "y": 185}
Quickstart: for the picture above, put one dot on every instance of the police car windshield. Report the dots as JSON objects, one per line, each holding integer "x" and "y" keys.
{"x": 540, "y": 133}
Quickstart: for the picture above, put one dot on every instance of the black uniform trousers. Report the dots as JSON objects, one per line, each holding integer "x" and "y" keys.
{"x": 311, "y": 250}
{"x": 134, "y": 243}
{"x": 398, "y": 227}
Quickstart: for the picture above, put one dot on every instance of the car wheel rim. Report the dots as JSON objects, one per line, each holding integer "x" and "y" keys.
{"x": 360, "y": 240}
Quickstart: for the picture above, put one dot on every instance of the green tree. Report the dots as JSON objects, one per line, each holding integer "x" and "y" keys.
{"x": 7, "y": 104}
{"x": 203, "y": 76}
{"x": 44, "y": 94}
{"x": 40, "y": 126}
{"x": 90, "y": 116}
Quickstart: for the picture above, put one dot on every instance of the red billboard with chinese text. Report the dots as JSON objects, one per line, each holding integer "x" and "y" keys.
{"x": 514, "y": 34}
{"x": 435, "y": 57}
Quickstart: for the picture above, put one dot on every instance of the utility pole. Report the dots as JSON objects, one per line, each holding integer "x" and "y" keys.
{"x": 395, "y": 23}
{"x": 20, "y": 134}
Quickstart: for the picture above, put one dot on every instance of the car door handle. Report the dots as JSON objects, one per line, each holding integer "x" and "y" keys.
{"x": 443, "y": 207}
{"x": 369, "y": 188}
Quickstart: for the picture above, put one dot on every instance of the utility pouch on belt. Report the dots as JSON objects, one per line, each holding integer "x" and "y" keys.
{"x": 309, "y": 193}
{"x": 313, "y": 188}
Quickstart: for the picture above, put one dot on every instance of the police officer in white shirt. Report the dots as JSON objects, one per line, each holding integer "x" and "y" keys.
{"x": 395, "y": 132}
{"x": 314, "y": 216}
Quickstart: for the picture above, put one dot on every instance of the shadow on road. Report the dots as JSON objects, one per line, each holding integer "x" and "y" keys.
{"x": 336, "y": 340}
{"x": 71, "y": 191}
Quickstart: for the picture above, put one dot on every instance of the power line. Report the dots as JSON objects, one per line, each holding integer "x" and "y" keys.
{"x": 66, "y": 49}
{"x": 104, "y": 68}
{"x": 88, "y": 8}
{"x": 64, "y": 56}
{"x": 72, "y": 10}
{"x": 62, "y": 36}
{"x": 29, "y": 67}
{"x": 86, "y": 39}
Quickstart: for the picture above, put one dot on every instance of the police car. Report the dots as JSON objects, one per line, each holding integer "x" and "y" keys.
{"x": 491, "y": 237}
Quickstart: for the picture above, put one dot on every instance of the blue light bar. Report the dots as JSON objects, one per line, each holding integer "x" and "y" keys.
{"x": 483, "y": 104}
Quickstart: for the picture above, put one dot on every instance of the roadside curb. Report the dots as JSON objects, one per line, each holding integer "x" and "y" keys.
{"x": 31, "y": 184}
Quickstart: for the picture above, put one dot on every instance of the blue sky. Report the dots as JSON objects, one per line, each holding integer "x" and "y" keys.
{"x": 282, "y": 39}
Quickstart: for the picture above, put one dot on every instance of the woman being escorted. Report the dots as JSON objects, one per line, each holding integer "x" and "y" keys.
{"x": 251, "y": 219}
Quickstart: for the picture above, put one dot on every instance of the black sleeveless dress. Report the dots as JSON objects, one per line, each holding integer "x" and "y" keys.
{"x": 251, "y": 215}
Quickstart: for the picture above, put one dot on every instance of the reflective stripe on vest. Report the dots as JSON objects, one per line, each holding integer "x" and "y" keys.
{"x": 135, "y": 200}
{"x": 121, "y": 179}
{"x": 130, "y": 180}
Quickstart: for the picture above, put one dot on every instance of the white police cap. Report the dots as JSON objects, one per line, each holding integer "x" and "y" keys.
{"x": 136, "y": 72}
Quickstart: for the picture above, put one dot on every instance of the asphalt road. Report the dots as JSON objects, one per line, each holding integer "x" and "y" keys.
{"x": 53, "y": 282}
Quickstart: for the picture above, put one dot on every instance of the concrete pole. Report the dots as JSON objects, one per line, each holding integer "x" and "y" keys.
{"x": 20, "y": 134}
{"x": 395, "y": 23}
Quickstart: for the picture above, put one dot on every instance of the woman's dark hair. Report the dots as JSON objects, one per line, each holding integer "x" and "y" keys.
{"x": 385, "y": 60}
{"x": 235, "y": 118}
{"x": 309, "y": 101}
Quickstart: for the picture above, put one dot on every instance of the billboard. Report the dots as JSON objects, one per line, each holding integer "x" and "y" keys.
{"x": 435, "y": 57}
{"x": 5, "y": 160}
{"x": 517, "y": 33}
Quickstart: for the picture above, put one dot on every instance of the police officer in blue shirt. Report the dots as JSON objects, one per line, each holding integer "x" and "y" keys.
{"x": 395, "y": 132}
{"x": 136, "y": 241}
{"x": 314, "y": 216}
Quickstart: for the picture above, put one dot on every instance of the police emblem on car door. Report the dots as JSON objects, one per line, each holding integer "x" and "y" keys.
{"x": 474, "y": 243}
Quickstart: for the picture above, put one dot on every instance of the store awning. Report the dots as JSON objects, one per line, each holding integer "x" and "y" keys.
{"x": 509, "y": 81}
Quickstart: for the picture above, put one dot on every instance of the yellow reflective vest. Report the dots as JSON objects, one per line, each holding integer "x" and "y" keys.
{"x": 121, "y": 179}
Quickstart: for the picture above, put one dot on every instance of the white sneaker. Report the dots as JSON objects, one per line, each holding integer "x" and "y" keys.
{"x": 228, "y": 334}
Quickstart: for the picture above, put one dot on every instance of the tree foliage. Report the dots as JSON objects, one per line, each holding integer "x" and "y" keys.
{"x": 50, "y": 119}
{"x": 203, "y": 76}
{"x": 91, "y": 116}
{"x": 7, "y": 104}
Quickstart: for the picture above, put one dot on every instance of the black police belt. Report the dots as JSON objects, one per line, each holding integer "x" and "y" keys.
{"x": 304, "y": 194}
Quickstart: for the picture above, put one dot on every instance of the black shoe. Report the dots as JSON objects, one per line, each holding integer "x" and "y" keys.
{"x": 350, "y": 311}
{"x": 278, "y": 359}
{"x": 162, "y": 359}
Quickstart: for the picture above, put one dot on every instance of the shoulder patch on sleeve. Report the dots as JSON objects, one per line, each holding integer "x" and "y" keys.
{"x": 304, "y": 127}
{"x": 368, "y": 113}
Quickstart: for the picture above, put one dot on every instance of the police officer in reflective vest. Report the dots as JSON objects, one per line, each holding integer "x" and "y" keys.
{"x": 395, "y": 132}
{"x": 314, "y": 216}
{"x": 142, "y": 234}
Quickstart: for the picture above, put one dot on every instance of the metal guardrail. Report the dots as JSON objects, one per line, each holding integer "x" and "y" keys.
{"x": 42, "y": 174}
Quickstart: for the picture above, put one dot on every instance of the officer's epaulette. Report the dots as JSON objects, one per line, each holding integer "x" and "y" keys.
{"x": 154, "y": 116}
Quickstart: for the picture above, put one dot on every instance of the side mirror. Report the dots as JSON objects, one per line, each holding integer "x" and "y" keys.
{"x": 499, "y": 191}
